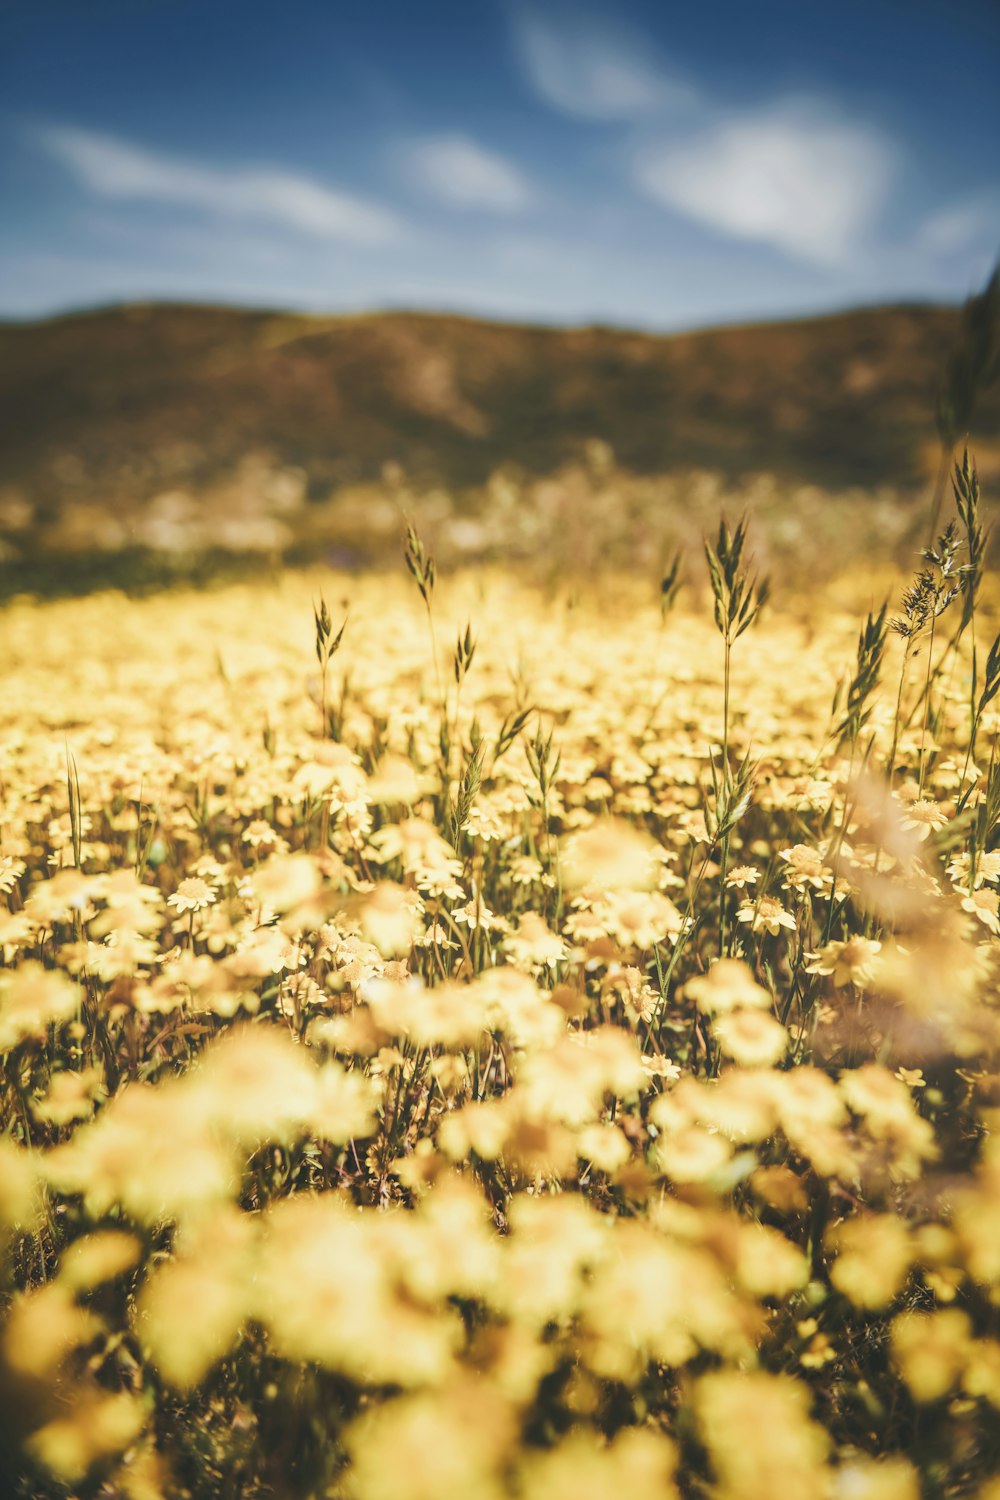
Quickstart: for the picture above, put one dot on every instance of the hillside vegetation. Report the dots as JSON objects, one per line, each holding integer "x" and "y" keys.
{"x": 175, "y": 428}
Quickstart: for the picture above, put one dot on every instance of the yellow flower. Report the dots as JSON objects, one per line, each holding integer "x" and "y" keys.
{"x": 534, "y": 946}
{"x": 806, "y": 867}
{"x": 389, "y": 917}
{"x": 750, "y": 1037}
{"x": 33, "y": 998}
{"x": 922, "y": 817}
{"x": 760, "y": 1436}
{"x": 880, "y": 1479}
{"x": 193, "y": 894}
{"x": 819, "y": 1352}
{"x": 985, "y": 905}
{"x": 95, "y": 1258}
{"x": 630, "y": 984}
{"x": 658, "y": 1066}
{"x": 583, "y": 1467}
{"x": 261, "y": 836}
{"x": 613, "y": 854}
{"x": 766, "y": 915}
{"x": 693, "y": 827}
{"x": 728, "y": 985}
{"x": 436, "y": 1445}
{"x": 71, "y": 1096}
{"x": 19, "y": 1184}
{"x": 191, "y": 1308}
{"x": 912, "y": 1077}
{"x": 525, "y": 870}
{"x": 11, "y": 871}
{"x": 875, "y": 1253}
{"x": 91, "y": 1428}
{"x": 853, "y": 961}
{"x": 988, "y": 866}
{"x": 476, "y": 915}
{"x": 931, "y": 1350}
{"x": 640, "y": 919}
{"x": 692, "y": 1154}
{"x": 604, "y": 1146}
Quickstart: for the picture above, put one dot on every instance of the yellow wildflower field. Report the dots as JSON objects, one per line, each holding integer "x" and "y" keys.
{"x": 524, "y": 1043}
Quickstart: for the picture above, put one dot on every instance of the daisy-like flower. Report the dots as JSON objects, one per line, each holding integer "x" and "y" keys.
{"x": 766, "y": 915}
{"x": 729, "y": 985}
{"x": 598, "y": 790}
{"x": 851, "y": 962}
{"x": 533, "y": 945}
{"x": 639, "y": 919}
{"x": 614, "y": 854}
{"x": 742, "y": 876}
{"x": 639, "y": 997}
{"x": 71, "y": 1096}
{"x": 122, "y": 953}
{"x": 11, "y": 871}
{"x": 951, "y": 773}
{"x": 297, "y": 994}
{"x": 32, "y": 999}
{"x": 987, "y": 869}
{"x": 477, "y": 916}
{"x": 692, "y": 1154}
{"x": 812, "y": 793}
{"x": 483, "y": 822}
{"x": 193, "y": 894}
{"x": 260, "y": 835}
{"x": 16, "y": 931}
{"x": 806, "y": 867}
{"x": 656, "y": 1065}
{"x": 692, "y": 826}
{"x": 922, "y": 817}
{"x": 439, "y": 883}
{"x": 984, "y": 904}
{"x": 912, "y": 1077}
{"x": 751, "y": 1037}
{"x": 436, "y": 936}
{"x": 525, "y": 870}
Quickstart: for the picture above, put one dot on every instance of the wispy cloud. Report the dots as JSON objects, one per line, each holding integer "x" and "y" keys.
{"x": 794, "y": 177}
{"x": 797, "y": 174}
{"x": 113, "y": 168}
{"x": 969, "y": 227}
{"x": 458, "y": 171}
{"x": 593, "y": 70}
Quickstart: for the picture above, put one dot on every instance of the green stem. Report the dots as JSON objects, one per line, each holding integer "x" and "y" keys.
{"x": 724, "y": 853}
{"x": 927, "y": 709}
{"x": 899, "y": 706}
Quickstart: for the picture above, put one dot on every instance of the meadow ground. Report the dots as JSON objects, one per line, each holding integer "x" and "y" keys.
{"x": 534, "y": 1042}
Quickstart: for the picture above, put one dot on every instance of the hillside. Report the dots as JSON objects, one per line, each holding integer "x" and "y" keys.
{"x": 108, "y": 413}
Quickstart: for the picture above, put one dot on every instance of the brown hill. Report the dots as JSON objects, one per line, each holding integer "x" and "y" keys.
{"x": 110, "y": 412}
{"x": 117, "y": 401}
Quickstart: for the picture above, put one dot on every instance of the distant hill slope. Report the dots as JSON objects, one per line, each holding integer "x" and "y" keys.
{"x": 115, "y": 407}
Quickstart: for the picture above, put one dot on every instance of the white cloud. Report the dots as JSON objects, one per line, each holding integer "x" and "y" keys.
{"x": 968, "y": 227}
{"x": 113, "y": 168}
{"x": 592, "y": 71}
{"x": 456, "y": 170}
{"x": 805, "y": 182}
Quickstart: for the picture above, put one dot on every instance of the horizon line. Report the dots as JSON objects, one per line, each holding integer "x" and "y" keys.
{"x": 345, "y": 315}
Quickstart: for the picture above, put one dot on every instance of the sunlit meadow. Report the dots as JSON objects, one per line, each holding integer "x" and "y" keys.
{"x": 463, "y": 1040}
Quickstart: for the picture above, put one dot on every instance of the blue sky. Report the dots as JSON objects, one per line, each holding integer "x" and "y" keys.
{"x": 651, "y": 164}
